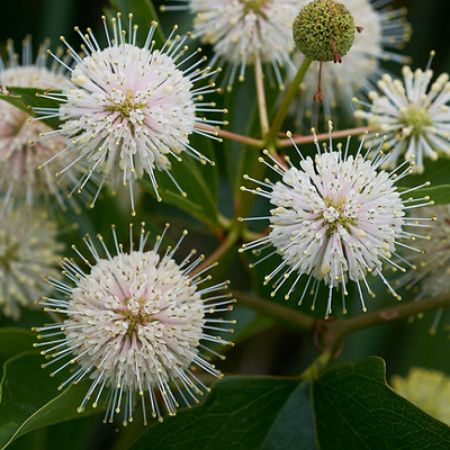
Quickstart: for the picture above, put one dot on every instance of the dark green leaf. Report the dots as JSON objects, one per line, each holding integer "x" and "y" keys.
{"x": 30, "y": 400}
{"x": 352, "y": 406}
{"x": 355, "y": 409}
{"x": 14, "y": 341}
{"x": 438, "y": 172}
{"x": 293, "y": 429}
{"x": 28, "y": 98}
{"x": 16, "y": 101}
{"x": 240, "y": 414}
{"x": 200, "y": 201}
{"x": 208, "y": 173}
{"x": 439, "y": 194}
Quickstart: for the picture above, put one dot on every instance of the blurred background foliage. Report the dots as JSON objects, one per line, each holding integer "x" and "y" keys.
{"x": 274, "y": 349}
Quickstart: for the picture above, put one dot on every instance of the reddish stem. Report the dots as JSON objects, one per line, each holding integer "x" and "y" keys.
{"x": 323, "y": 136}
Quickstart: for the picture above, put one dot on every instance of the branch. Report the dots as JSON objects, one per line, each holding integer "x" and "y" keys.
{"x": 231, "y": 136}
{"x": 272, "y": 309}
{"x": 332, "y": 333}
{"x": 323, "y": 136}
{"x": 341, "y": 329}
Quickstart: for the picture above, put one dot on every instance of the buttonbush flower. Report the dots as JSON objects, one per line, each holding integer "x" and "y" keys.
{"x": 429, "y": 390}
{"x": 382, "y": 32}
{"x": 336, "y": 218}
{"x": 414, "y": 115}
{"x": 29, "y": 251}
{"x": 244, "y": 31}
{"x": 129, "y": 109}
{"x": 431, "y": 275}
{"x": 22, "y": 153}
{"x": 137, "y": 324}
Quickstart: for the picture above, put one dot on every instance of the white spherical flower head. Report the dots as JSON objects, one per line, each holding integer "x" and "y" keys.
{"x": 130, "y": 108}
{"x": 29, "y": 251}
{"x": 413, "y": 114}
{"x": 22, "y": 151}
{"x": 336, "y": 218}
{"x": 136, "y": 324}
{"x": 382, "y": 31}
{"x": 245, "y": 31}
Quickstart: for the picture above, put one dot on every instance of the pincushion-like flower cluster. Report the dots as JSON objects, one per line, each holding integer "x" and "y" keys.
{"x": 136, "y": 325}
{"x": 244, "y": 31}
{"x": 413, "y": 114}
{"x": 129, "y": 109}
{"x": 335, "y": 218}
{"x": 22, "y": 152}
{"x": 29, "y": 251}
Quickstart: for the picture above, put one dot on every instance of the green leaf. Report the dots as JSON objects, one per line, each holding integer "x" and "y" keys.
{"x": 208, "y": 173}
{"x": 200, "y": 200}
{"x": 30, "y": 400}
{"x": 28, "y": 98}
{"x": 355, "y": 409}
{"x": 14, "y": 341}
{"x": 293, "y": 428}
{"x": 240, "y": 414}
{"x": 438, "y": 172}
{"x": 144, "y": 13}
{"x": 351, "y": 407}
{"x": 439, "y": 194}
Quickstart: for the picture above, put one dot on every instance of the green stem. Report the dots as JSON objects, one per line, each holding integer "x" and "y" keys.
{"x": 316, "y": 368}
{"x": 275, "y": 310}
{"x": 249, "y": 236}
{"x": 224, "y": 222}
{"x": 289, "y": 95}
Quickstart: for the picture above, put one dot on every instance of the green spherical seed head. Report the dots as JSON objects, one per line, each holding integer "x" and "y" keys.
{"x": 324, "y": 30}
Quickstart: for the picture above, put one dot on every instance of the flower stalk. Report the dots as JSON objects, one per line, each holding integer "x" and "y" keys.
{"x": 291, "y": 92}
{"x": 261, "y": 94}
